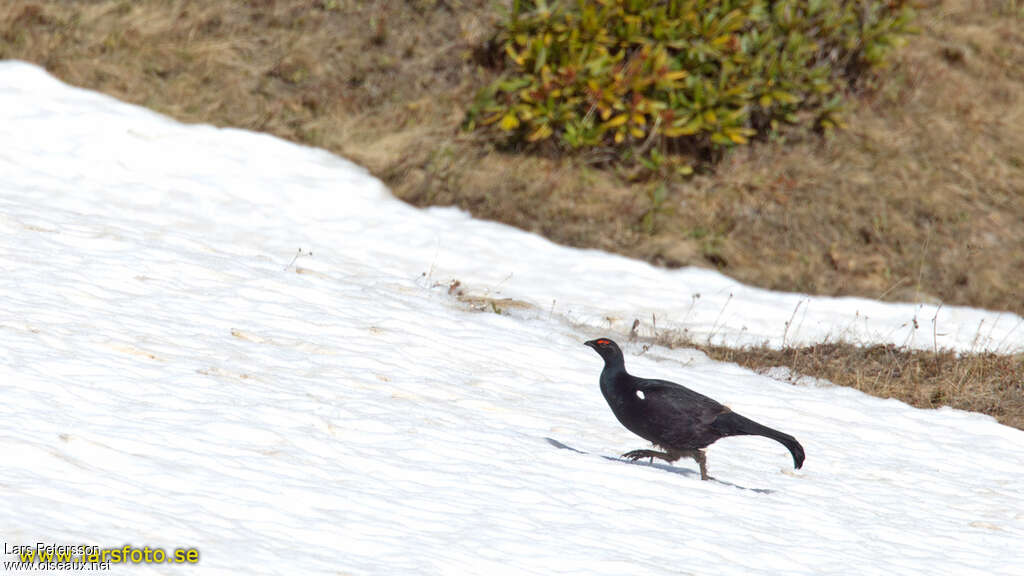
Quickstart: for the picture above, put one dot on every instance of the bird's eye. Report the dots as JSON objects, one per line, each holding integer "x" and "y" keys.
{"x": 603, "y": 342}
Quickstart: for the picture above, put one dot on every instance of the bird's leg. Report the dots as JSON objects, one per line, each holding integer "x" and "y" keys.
{"x": 698, "y": 456}
{"x": 652, "y": 454}
{"x": 671, "y": 456}
{"x": 702, "y": 461}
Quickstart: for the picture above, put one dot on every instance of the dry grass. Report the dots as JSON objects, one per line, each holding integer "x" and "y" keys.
{"x": 987, "y": 383}
{"x": 921, "y": 199}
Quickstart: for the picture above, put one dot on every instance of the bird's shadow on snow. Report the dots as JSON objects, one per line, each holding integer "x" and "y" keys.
{"x": 665, "y": 467}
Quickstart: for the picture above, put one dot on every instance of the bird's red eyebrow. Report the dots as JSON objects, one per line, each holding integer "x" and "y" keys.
{"x": 603, "y": 342}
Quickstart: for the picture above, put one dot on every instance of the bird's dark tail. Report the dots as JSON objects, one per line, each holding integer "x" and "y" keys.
{"x": 732, "y": 424}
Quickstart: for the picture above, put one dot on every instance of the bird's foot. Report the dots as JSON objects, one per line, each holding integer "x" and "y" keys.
{"x": 638, "y": 454}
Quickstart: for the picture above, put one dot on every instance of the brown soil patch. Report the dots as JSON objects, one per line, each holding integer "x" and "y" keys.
{"x": 922, "y": 198}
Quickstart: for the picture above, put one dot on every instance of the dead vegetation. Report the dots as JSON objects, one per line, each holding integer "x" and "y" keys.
{"x": 920, "y": 199}
{"x": 984, "y": 382}
{"x": 987, "y": 383}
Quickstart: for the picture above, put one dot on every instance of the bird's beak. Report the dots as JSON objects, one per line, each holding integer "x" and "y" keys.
{"x": 591, "y": 343}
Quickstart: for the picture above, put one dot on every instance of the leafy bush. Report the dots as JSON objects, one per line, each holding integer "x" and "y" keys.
{"x": 642, "y": 78}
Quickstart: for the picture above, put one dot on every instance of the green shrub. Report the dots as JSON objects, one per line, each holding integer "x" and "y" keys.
{"x": 640, "y": 79}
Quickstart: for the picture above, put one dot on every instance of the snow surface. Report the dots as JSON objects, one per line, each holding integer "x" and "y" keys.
{"x": 169, "y": 380}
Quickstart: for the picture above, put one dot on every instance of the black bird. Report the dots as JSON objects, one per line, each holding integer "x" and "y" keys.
{"x": 677, "y": 419}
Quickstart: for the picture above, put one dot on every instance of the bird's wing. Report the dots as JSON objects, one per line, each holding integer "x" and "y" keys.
{"x": 675, "y": 393}
{"x": 669, "y": 415}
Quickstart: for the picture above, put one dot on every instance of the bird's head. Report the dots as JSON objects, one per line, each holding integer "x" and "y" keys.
{"x": 607, "y": 348}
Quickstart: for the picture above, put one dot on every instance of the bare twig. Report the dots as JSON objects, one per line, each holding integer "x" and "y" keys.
{"x": 296, "y": 257}
{"x": 790, "y": 322}
{"x": 714, "y": 326}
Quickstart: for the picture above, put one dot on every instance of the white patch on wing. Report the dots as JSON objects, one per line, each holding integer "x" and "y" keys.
{"x": 640, "y": 394}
